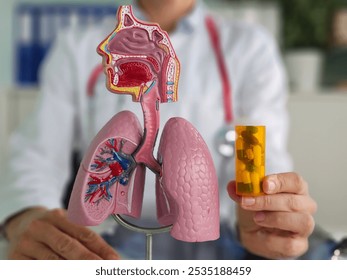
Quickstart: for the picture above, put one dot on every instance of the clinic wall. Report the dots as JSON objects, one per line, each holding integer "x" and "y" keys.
{"x": 6, "y": 10}
{"x": 317, "y": 143}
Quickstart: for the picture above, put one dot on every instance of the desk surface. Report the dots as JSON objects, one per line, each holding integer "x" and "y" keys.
{"x": 337, "y": 234}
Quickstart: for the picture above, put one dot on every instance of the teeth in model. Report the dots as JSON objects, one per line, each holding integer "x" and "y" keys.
{"x": 115, "y": 79}
{"x": 114, "y": 63}
{"x": 149, "y": 83}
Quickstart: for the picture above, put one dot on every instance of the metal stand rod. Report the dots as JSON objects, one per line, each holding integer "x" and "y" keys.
{"x": 149, "y": 246}
{"x": 147, "y": 231}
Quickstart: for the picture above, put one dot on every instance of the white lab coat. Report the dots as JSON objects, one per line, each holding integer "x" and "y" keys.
{"x": 65, "y": 118}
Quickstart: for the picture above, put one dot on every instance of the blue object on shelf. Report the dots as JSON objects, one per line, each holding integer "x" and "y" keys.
{"x": 26, "y": 45}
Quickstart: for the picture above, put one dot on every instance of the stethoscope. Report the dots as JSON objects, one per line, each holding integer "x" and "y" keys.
{"x": 225, "y": 136}
{"x": 224, "y": 140}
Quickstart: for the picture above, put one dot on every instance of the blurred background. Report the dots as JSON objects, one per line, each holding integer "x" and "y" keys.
{"x": 312, "y": 35}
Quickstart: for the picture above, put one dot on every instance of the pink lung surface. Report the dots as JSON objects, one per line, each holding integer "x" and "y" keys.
{"x": 187, "y": 193}
{"x": 109, "y": 180}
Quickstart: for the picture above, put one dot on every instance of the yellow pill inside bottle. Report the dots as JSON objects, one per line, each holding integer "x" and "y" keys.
{"x": 250, "y": 159}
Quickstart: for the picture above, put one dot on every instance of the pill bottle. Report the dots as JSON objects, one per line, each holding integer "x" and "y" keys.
{"x": 250, "y": 159}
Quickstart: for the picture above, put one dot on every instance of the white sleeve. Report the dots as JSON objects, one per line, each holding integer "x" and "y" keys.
{"x": 38, "y": 165}
{"x": 264, "y": 98}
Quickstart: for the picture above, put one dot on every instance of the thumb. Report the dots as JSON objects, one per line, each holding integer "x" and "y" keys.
{"x": 231, "y": 188}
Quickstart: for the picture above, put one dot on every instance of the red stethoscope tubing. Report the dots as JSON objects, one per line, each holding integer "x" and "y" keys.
{"x": 215, "y": 41}
{"x": 93, "y": 78}
{"x": 227, "y": 91}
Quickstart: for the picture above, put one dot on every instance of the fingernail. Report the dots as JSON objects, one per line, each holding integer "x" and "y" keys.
{"x": 271, "y": 186}
{"x": 248, "y": 201}
{"x": 259, "y": 216}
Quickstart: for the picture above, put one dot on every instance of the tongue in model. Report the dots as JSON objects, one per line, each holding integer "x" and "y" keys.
{"x": 141, "y": 62}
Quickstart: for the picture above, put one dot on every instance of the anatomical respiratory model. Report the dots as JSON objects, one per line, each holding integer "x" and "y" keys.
{"x": 139, "y": 60}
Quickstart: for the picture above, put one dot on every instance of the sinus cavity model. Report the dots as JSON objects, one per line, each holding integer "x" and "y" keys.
{"x": 139, "y": 60}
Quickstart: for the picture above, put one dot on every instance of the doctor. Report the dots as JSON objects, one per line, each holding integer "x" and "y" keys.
{"x": 273, "y": 226}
